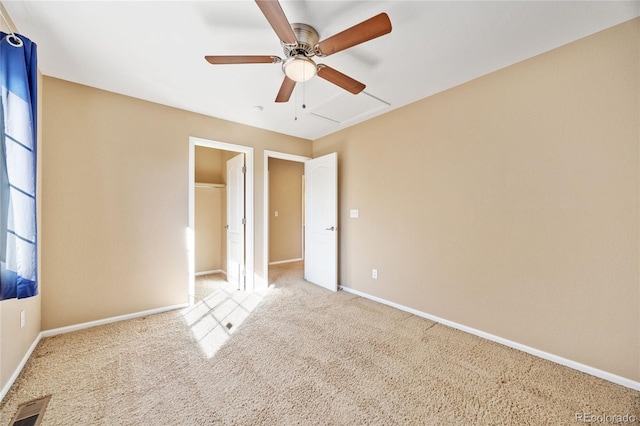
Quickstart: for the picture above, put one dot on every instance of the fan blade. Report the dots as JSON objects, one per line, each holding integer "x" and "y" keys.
{"x": 238, "y": 59}
{"x": 285, "y": 90}
{"x": 272, "y": 10}
{"x": 367, "y": 30}
{"x": 339, "y": 79}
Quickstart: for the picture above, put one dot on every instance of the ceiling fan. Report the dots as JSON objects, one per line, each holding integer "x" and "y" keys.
{"x": 301, "y": 42}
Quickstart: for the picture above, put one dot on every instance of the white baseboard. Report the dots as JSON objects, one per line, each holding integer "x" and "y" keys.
{"x": 215, "y": 271}
{"x": 623, "y": 381}
{"x": 285, "y": 261}
{"x": 61, "y": 330}
{"x": 69, "y": 329}
{"x": 16, "y": 373}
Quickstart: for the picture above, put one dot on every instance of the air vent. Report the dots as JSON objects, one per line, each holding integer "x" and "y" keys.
{"x": 30, "y": 413}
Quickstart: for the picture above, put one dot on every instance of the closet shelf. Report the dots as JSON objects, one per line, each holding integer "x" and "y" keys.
{"x": 209, "y": 185}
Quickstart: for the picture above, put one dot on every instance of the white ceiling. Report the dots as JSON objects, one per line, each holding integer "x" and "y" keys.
{"x": 155, "y": 51}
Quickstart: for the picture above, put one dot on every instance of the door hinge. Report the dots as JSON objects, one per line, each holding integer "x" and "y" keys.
{"x": 244, "y": 220}
{"x": 244, "y": 169}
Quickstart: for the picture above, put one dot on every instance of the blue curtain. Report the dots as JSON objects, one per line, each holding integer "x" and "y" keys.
{"x": 18, "y": 113}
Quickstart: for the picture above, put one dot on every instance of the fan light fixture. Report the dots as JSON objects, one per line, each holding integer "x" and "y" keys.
{"x": 300, "y": 42}
{"x": 299, "y": 68}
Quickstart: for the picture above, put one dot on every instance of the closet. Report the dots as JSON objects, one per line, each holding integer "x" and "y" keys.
{"x": 210, "y": 210}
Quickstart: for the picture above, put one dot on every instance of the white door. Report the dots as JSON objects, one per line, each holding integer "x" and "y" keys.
{"x": 235, "y": 221}
{"x": 321, "y": 221}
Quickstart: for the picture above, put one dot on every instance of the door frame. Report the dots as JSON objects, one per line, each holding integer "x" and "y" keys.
{"x": 280, "y": 156}
{"x": 249, "y": 209}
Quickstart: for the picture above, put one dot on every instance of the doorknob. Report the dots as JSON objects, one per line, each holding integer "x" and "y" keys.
{"x": 331, "y": 229}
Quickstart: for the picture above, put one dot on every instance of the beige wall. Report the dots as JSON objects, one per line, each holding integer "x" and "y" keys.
{"x": 115, "y": 200}
{"x": 208, "y": 229}
{"x": 209, "y": 167}
{"x": 285, "y": 197}
{"x": 509, "y": 204}
{"x": 15, "y": 341}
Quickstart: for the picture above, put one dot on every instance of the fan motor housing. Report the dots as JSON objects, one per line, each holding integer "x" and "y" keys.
{"x": 307, "y": 38}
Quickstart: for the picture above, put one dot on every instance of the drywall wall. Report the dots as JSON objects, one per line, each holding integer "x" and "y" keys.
{"x": 285, "y": 197}
{"x": 14, "y": 340}
{"x": 509, "y": 204}
{"x": 115, "y": 200}
{"x": 208, "y": 165}
{"x": 208, "y": 231}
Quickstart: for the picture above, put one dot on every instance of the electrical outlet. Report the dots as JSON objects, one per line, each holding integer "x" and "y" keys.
{"x": 23, "y": 319}
{"x": 374, "y": 274}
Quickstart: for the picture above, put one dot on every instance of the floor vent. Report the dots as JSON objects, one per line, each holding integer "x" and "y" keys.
{"x": 30, "y": 413}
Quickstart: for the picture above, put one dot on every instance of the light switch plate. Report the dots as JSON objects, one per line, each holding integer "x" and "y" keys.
{"x": 354, "y": 213}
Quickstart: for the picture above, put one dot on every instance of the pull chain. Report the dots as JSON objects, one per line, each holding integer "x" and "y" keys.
{"x": 304, "y": 95}
{"x": 304, "y": 79}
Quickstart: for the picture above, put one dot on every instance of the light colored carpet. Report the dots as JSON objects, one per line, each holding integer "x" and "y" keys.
{"x": 205, "y": 285}
{"x": 302, "y": 355}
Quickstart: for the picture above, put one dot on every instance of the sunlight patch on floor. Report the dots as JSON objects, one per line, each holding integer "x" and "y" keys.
{"x": 217, "y": 316}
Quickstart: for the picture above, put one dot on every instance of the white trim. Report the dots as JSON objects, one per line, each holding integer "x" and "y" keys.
{"x": 215, "y": 271}
{"x": 69, "y": 329}
{"x": 82, "y": 326}
{"x": 623, "y": 381}
{"x": 285, "y": 261}
{"x": 249, "y": 208}
{"x": 18, "y": 370}
{"x": 282, "y": 156}
{"x": 190, "y": 238}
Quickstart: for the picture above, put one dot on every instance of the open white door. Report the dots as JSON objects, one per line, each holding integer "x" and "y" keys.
{"x": 321, "y": 221}
{"x": 235, "y": 221}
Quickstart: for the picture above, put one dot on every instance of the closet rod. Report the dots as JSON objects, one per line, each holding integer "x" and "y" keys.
{"x": 209, "y": 185}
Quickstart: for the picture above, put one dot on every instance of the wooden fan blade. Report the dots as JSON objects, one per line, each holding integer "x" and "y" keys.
{"x": 339, "y": 79}
{"x": 285, "y": 90}
{"x": 272, "y": 10}
{"x": 238, "y": 59}
{"x": 367, "y": 30}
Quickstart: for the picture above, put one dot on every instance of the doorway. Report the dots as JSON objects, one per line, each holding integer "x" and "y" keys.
{"x": 271, "y": 246}
{"x": 246, "y": 267}
{"x": 286, "y": 212}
